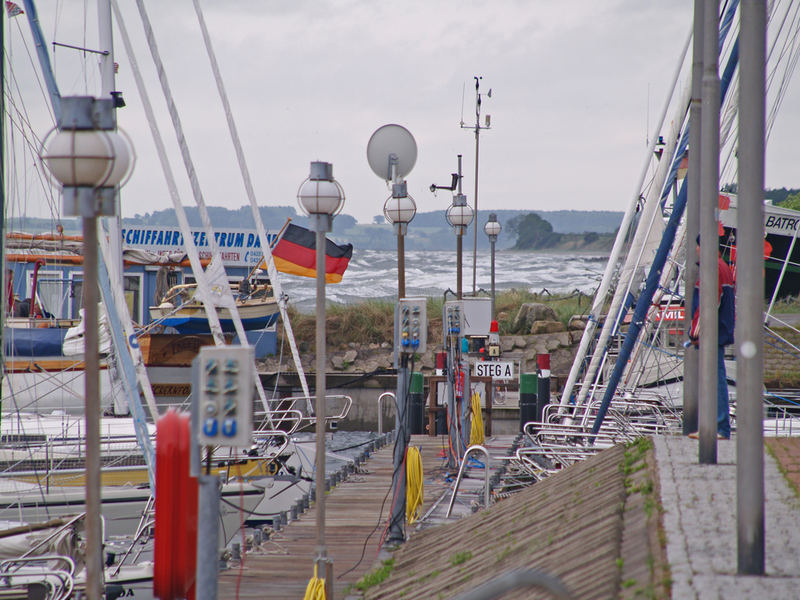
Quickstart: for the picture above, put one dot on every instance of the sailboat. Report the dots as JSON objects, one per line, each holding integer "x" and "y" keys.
{"x": 45, "y": 461}
{"x": 631, "y": 348}
{"x": 627, "y": 378}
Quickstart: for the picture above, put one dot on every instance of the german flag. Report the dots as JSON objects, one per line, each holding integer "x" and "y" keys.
{"x": 296, "y": 254}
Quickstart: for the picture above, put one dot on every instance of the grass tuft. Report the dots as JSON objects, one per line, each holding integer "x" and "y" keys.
{"x": 372, "y": 321}
{"x": 377, "y": 576}
{"x": 459, "y": 558}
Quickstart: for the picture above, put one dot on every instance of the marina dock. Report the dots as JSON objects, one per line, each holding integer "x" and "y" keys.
{"x": 357, "y": 511}
{"x": 643, "y": 519}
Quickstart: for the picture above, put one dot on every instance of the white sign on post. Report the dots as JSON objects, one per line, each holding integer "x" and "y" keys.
{"x": 495, "y": 370}
{"x": 225, "y": 397}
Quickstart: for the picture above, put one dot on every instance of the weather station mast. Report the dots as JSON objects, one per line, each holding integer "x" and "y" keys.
{"x": 477, "y": 128}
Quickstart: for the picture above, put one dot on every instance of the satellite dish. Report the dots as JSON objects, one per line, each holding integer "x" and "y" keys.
{"x": 391, "y": 143}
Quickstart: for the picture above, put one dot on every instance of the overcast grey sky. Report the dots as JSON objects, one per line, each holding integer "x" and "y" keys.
{"x": 575, "y": 85}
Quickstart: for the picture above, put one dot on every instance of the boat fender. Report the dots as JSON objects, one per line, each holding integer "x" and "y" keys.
{"x": 175, "y": 552}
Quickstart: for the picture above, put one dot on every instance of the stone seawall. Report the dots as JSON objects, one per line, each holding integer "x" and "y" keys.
{"x": 348, "y": 367}
{"x": 368, "y": 358}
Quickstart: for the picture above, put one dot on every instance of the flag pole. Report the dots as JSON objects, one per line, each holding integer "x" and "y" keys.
{"x": 272, "y": 245}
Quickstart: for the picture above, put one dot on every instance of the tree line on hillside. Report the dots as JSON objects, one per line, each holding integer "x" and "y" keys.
{"x": 522, "y": 229}
{"x": 535, "y": 233}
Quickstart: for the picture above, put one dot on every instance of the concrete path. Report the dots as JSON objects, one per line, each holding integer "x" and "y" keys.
{"x": 699, "y": 520}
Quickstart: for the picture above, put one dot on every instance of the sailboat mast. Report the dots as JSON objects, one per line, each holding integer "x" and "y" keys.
{"x": 107, "y": 86}
{"x": 106, "y": 48}
{"x": 44, "y": 57}
{"x": 2, "y": 192}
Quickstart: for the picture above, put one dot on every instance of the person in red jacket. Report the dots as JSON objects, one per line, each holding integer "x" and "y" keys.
{"x": 726, "y": 311}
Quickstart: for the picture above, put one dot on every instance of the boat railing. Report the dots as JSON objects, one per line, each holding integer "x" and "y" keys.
{"x": 546, "y": 460}
{"x": 60, "y": 528}
{"x": 781, "y": 418}
{"x": 574, "y": 433}
{"x": 269, "y": 436}
{"x": 339, "y": 404}
{"x": 560, "y": 440}
{"x": 288, "y": 420}
{"x": 46, "y": 457}
{"x": 470, "y": 450}
{"x": 644, "y": 414}
{"x": 144, "y": 528}
{"x": 54, "y": 572}
{"x": 380, "y": 408}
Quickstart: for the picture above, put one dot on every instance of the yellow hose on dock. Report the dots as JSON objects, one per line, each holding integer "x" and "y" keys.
{"x": 415, "y": 487}
{"x": 316, "y": 588}
{"x": 476, "y": 435}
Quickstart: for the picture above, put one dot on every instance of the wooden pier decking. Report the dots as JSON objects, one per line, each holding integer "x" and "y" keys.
{"x": 356, "y": 513}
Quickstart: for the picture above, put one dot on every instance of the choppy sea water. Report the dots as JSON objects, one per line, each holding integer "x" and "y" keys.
{"x": 372, "y": 274}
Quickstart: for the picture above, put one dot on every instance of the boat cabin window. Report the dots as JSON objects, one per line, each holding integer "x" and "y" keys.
{"x": 133, "y": 295}
{"x": 51, "y": 289}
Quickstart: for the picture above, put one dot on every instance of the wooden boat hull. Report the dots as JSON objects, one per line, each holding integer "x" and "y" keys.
{"x": 192, "y": 319}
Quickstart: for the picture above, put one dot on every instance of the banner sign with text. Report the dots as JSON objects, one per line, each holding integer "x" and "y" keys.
{"x": 239, "y": 247}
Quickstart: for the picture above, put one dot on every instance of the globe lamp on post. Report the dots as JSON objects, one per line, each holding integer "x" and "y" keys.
{"x": 492, "y": 229}
{"x": 399, "y": 209}
{"x": 89, "y": 160}
{"x": 459, "y": 216}
{"x": 321, "y": 198}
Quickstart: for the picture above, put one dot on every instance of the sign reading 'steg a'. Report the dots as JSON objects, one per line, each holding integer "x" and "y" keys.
{"x": 495, "y": 370}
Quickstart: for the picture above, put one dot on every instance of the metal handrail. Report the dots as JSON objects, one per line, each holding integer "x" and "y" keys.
{"x": 312, "y": 419}
{"x": 275, "y": 433}
{"x": 277, "y": 418}
{"x": 380, "y": 408}
{"x": 40, "y": 569}
{"x": 46, "y": 540}
{"x": 461, "y": 472}
{"x": 145, "y": 523}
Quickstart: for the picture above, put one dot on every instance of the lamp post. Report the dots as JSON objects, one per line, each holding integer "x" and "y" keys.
{"x": 391, "y": 154}
{"x": 321, "y": 198}
{"x": 492, "y": 229}
{"x": 89, "y": 159}
{"x": 399, "y": 209}
{"x": 459, "y": 215}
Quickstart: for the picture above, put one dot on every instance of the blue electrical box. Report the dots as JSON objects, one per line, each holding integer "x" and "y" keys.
{"x": 224, "y": 400}
{"x": 412, "y": 325}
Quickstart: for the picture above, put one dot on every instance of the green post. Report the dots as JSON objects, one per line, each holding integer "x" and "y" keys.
{"x": 417, "y": 404}
{"x": 528, "y": 391}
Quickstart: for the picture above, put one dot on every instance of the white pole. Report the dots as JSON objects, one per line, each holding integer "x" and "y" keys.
{"x": 690, "y": 356}
{"x": 709, "y": 251}
{"x": 750, "y": 297}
